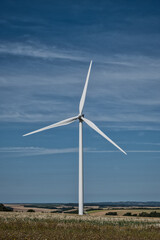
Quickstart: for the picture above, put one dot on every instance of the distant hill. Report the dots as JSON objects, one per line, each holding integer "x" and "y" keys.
{"x": 126, "y": 204}
{"x": 100, "y": 204}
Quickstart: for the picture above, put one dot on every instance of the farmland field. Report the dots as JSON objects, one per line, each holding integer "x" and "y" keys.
{"x": 47, "y": 226}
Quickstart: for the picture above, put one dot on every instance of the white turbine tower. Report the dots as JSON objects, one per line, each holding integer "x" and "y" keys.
{"x": 81, "y": 119}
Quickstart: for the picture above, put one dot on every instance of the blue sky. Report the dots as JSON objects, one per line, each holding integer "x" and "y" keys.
{"x": 45, "y": 50}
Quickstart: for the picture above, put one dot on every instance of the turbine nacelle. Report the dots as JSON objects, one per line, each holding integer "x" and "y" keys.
{"x": 80, "y": 116}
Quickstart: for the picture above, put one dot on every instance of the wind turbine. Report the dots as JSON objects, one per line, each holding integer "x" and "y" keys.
{"x": 81, "y": 119}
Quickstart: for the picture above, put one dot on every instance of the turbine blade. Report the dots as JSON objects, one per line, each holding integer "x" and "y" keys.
{"x": 83, "y": 97}
{"x": 92, "y": 125}
{"x": 58, "y": 124}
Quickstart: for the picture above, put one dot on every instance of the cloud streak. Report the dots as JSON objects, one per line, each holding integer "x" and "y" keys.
{"x": 38, "y": 51}
{"x": 36, "y": 151}
{"x": 124, "y": 88}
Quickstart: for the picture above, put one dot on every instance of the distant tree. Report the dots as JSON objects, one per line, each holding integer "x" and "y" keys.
{"x": 111, "y": 213}
{"x": 30, "y": 210}
{"x": 151, "y": 214}
{"x": 154, "y": 214}
{"x": 5, "y": 209}
{"x": 73, "y": 211}
{"x": 57, "y": 211}
{"x": 127, "y": 214}
{"x": 143, "y": 214}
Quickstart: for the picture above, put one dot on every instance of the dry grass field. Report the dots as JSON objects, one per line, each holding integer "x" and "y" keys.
{"x": 47, "y": 226}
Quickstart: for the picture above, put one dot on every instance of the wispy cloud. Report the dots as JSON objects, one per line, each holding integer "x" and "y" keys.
{"x": 127, "y": 151}
{"x": 35, "y": 151}
{"x": 142, "y": 143}
{"x": 38, "y": 51}
{"x": 124, "y": 88}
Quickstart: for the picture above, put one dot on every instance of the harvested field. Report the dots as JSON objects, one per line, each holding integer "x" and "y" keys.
{"x": 121, "y": 212}
{"x": 22, "y": 208}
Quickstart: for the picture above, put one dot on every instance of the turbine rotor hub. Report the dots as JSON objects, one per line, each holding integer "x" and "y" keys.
{"x": 80, "y": 117}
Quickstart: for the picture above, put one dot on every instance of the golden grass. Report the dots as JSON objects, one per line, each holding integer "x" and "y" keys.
{"x": 47, "y": 226}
